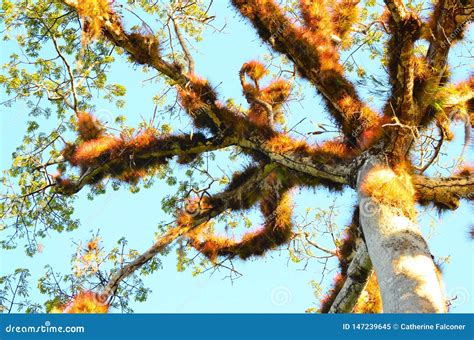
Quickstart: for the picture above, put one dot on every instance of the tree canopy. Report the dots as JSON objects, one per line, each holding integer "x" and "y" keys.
{"x": 385, "y": 138}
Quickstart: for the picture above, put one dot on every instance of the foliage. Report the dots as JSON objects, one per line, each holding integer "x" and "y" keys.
{"x": 63, "y": 69}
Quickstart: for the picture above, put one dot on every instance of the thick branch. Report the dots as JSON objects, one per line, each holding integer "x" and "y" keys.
{"x": 226, "y": 198}
{"x": 303, "y": 160}
{"x": 357, "y": 275}
{"x": 405, "y": 29}
{"x": 445, "y": 192}
{"x": 115, "y": 161}
{"x": 398, "y": 10}
{"x": 145, "y": 49}
{"x": 316, "y": 59}
{"x": 299, "y": 156}
{"x": 447, "y": 24}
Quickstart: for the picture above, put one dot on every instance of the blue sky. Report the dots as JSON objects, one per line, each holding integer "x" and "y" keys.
{"x": 271, "y": 284}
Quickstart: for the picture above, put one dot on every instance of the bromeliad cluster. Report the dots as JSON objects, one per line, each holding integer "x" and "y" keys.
{"x": 84, "y": 302}
{"x": 100, "y": 154}
{"x": 94, "y": 14}
{"x": 276, "y": 209}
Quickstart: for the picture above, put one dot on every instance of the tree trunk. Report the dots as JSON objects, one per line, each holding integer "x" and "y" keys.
{"x": 358, "y": 274}
{"x": 405, "y": 270}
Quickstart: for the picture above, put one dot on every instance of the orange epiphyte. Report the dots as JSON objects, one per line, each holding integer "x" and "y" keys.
{"x": 93, "y": 244}
{"x": 348, "y": 104}
{"x": 184, "y": 220}
{"x": 144, "y": 139}
{"x": 276, "y": 92}
{"x": 196, "y": 80}
{"x": 254, "y": 69}
{"x": 88, "y": 126}
{"x": 370, "y": 300}
{"x": 284, "y": 143}
{"x": 90, "y": 151}
{"x": 316, "y": 16}
{"x": 213, "y": 245}
{"x": 94, "y": 13}
{"x": 421, "y": 68}
{"x": 190, "y": 100}
{"x": 199, "y": 85}
{"x": 334, "y": 149}
{"x": 85, "y": 302}
{"x": 132, "y": 176}
{"x": 371, "y": 131}
{"x": 345, "y": 14}
{"x": 392, "y": 187}
{"x": 465, "y": 170}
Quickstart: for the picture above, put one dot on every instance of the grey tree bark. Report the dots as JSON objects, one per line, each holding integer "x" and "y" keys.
{"x": 402, "y": 261}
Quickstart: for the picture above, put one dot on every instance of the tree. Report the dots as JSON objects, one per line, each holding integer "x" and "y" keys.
{"x": 374, "y": 155}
